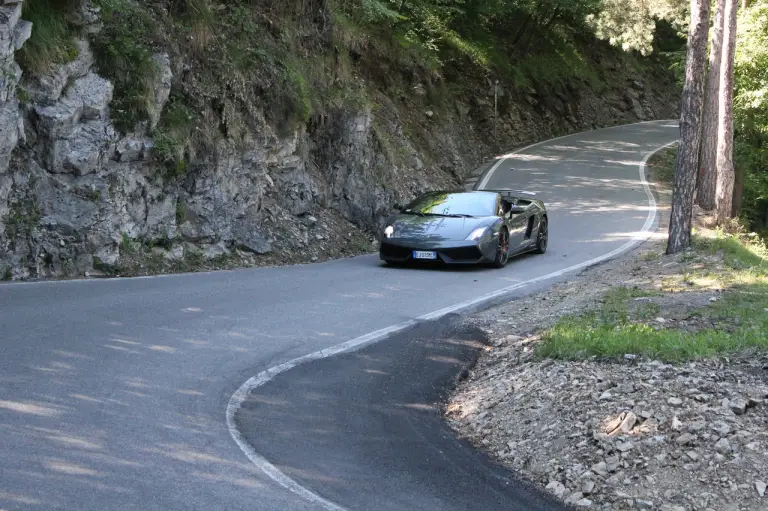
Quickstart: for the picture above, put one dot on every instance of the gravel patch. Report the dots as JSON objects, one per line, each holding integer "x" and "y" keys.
{"x": 632, "y": 435}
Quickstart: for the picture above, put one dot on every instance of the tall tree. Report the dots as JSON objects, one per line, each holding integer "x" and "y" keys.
{"x": 707, "y": 182}
{"x": 690, "y": 129}
{"x": 725, "y": 171}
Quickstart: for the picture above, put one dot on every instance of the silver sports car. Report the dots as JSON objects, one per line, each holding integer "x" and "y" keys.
{"x": 466, "y": 227}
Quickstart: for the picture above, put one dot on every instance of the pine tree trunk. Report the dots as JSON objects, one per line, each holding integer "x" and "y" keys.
{"x": 725, "y": 171}
{"x": 707, "y": 183}
{"x": 690, "y": 129}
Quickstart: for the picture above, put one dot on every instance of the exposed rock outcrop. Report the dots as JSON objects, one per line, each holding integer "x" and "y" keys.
{"x": 13, "y": 33}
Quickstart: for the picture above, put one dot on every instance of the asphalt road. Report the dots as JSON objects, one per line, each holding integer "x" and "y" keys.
{"x": 364, "y": 429}
{"x": 113, "y": 392}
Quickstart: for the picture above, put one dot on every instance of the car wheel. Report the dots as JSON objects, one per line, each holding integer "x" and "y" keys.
{"x": 543, "y": 237}
{"x": 502, "y": 250}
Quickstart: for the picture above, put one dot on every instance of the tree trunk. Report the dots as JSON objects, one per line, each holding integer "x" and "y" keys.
{"x": 690, "y": 129}
{"x": 707, "y": 183}
{"x": 725, "y": 171}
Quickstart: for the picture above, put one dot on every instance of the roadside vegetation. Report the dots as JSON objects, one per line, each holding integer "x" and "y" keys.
{"x": 751, "y": 117}
{"x": 727, "y": 272}
{"x": 631, "y": 320}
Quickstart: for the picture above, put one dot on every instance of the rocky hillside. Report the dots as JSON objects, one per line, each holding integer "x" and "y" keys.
{"x": 159, "y": 136}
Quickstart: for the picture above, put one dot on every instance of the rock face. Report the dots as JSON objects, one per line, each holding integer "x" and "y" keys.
{"x": 13, "y": 33}
{"x": 75, "y": 192}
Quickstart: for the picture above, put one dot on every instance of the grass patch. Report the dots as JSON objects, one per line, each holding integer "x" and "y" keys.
{"x": 740, "y": 316}
{"x": 174, "y": 137}
{"x": 123, "y": 51}
{"x": 739, "y": 252}
{"x": 615, "y": 303}
{"x": 650, "y": 256}
{"x": 583, "y": 337}
{"x": 53, "y": 39}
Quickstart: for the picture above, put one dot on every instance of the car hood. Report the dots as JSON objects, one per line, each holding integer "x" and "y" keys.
{"x": 436, "y": 228}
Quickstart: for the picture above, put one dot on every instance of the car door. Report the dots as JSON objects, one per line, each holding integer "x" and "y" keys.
{"x": 517, "y": 222}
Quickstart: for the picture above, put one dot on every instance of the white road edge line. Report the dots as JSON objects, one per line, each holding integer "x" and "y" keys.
{"x": 240, "y": 395}
{"x": 490, "y": 173}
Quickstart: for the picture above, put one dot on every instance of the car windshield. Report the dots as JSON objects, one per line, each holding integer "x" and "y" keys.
{"x": 454, "y": 204}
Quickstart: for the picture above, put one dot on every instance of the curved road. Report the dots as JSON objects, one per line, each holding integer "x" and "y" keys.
{"x": 113, "y": 392}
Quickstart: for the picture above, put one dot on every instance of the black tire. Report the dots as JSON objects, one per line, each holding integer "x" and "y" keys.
{"x": 502, "y": 250}
{"x": 542, "y": 237}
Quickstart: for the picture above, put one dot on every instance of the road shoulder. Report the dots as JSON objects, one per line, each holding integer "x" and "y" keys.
{"x": 676, "y": 423}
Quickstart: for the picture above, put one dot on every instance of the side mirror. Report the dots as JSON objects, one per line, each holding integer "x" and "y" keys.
{"x": 516, "y": 210}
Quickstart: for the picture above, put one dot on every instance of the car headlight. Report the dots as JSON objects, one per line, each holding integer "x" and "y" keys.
{"x": 389, "y": 231}
{"x": 477, "y": 233}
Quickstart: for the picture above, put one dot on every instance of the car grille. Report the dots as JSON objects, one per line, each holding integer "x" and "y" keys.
{"x": 457, "y": 254}
{"x": 395, "y": 251}
{"x": 462, "y": 253}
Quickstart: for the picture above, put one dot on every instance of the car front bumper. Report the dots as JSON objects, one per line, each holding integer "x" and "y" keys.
{"x": 450, "y": 252}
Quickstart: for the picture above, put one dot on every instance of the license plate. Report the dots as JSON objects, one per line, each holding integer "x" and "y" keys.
{"x": 421, "y": 254}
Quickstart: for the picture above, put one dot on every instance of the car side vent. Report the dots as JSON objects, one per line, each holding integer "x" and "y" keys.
{"x": 529, "y": 229}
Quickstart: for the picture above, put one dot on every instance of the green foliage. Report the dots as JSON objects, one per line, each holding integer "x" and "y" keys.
{"x": 241, "y": 61}
{"x": 380, "y": 11}
{"x": 751, "y": 111}
{"x": 298, "y": 109}
{"x": 523, "y": 42}
{"x": 22, "y": 218}
{"x": 126, "y": 243}
{"x": 53, "y": 39}
{"x": 174, "y": 137}
{"x": 751, "y": 67}
{"x": 123, "y": 51}
{"x": 631, "y": 24}
{"x": 22, "y": 95}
